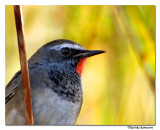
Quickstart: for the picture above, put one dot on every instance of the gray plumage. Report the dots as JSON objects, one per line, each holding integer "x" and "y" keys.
{"x": 56, "y": 90}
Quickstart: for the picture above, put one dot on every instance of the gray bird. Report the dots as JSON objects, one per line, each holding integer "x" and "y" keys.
{"x": 55, "y": 81}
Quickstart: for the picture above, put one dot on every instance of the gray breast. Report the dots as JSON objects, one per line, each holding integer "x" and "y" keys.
{"x": 48, "y": 109}
{"x": 52, "y": 109}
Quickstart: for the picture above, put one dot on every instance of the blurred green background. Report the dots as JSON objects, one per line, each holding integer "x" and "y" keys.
{"x": 118, "y": 86}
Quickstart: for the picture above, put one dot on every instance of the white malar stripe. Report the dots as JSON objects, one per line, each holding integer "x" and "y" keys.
{"x": 58, "y": 47}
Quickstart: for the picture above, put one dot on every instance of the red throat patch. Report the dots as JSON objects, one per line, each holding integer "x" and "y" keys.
{"x": 80, "y": 66}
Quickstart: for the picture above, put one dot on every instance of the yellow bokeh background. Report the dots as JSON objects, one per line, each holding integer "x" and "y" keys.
{"x": 118, "y": 86}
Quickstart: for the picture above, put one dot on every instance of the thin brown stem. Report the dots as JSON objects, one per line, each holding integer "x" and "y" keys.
{"x": 24, "y": 65}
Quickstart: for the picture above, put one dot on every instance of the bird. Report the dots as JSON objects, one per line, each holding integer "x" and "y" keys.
{"x": 55, "y": 72}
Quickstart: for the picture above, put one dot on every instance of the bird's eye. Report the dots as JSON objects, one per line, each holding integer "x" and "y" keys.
{"x": 65, "y": 51}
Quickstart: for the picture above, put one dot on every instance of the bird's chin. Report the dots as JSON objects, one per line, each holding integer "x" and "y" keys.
{"x": 80, "y": 66}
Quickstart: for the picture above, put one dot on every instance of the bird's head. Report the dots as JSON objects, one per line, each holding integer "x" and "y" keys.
{"x": 66, "y": 54}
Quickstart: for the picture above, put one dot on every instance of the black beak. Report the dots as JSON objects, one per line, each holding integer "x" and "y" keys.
{"x": 88, "y": 53}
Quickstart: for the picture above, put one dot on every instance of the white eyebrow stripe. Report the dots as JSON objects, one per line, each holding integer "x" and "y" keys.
{"x": 58, "y": 47}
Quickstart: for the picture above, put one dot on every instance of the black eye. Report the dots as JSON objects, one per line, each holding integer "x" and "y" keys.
{"x": 65, "y": 51}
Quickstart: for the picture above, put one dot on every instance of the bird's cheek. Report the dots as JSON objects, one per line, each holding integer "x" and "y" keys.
{"x": 80, "y": 66}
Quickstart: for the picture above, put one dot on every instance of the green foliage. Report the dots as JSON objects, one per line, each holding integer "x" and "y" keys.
{"x": 118, "y": 85}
